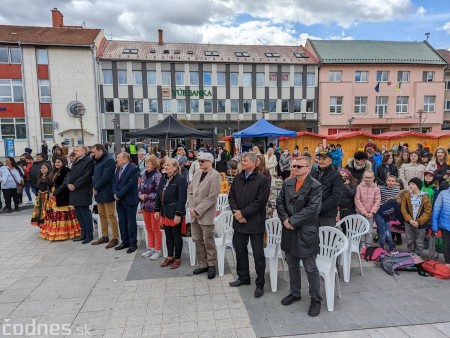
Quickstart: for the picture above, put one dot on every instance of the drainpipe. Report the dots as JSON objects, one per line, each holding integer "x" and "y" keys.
{"x": 96, "y": 84}
{"x": 24, "y": 97}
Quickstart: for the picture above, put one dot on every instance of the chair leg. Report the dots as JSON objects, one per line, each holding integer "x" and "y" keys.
{"x": 146, "y": 237}
{"x": 164, "y": 245}
{"x": 192, "y": 252}
{"x": 329, "y": 290}
{"x": 221, "y": 259}
{"x": 360, "y": 264}
{"x": 339, "y": 286}
{"x": 234, "y": 256}
{"x": 273, "y": 269}
{"x": 282, "y": 266}
{"x": 346, "y": 263}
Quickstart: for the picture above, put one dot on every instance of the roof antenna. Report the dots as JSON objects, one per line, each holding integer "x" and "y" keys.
{"x": 427, "y": 34}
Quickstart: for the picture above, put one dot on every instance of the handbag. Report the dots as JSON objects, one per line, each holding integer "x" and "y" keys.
{"x": 19, "y": 185}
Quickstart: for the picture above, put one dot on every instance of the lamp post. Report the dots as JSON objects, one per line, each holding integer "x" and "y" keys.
{"x": 238, "y": 121}
{"x": 421, "y": 114}
{"x": 80, "y": 112}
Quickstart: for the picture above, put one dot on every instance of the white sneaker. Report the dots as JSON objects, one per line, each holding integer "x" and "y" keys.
{"x": 148, "y": 253}
{"x": 156, "y": 255}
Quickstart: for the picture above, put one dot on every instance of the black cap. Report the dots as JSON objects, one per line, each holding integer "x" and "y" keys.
{"x": 325, "y": 154}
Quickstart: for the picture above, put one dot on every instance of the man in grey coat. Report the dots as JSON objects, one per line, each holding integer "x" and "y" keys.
{"x": 298, "y": 207}
{"x": 202, "y": 197}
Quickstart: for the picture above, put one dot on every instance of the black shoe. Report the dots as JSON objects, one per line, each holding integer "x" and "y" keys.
{"x": 87, "y": 239}
{"x": 78, "y": 239}
{"x": 199, "y": 271}
{"x": 16, "y": 208}
{"x": 211, "y": 272}
{"x": 9, "y": 211}
{"x": 238, "y": 283}
{"x": 121, "y": 246}
{"x": 314, "y": 308}
{"x": 288, "y": 300}
{"x": 259, "y": 291}
{"x": 131, "y": 249}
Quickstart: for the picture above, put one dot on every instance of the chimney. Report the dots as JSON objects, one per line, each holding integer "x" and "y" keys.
{"x": 160, "y": 37}
{"x": 57, "y": 18}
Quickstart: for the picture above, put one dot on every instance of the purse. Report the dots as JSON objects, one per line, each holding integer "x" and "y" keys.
{"x": 19, "y": 185}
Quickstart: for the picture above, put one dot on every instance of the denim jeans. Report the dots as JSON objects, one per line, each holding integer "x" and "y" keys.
{"x": 384, "y": 231}
{"x": 27, "y": 190}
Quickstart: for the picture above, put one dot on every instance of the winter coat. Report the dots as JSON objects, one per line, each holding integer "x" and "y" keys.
{"x": 103, "y": 179}
{"x": 172, "y": 197}
{"x": 383, "y": 171}
{"x": 184, "y": 171}
{"x": 302, "y": 209}
{"x": 357, "y": 173}
{"x": 285, "y": 162}
{"x": 61, "y": 193}
{"x": 440, "y": 173}
{"x": 250, "y": 196}
{"x": 81, "y": 177}
{"x": 391, "y": 211}
{"x": 9, "y": 178}
{"x": 410, "y": 170}
{"x": 433, "y": 166}
{"x": 378, "y": 159}
{"x": 441, "y": 212}
{"x": 336, "y": 155}
{"x": 271, "y": 164}
{"x": 221, "y": 163}
{"x": 332, "y": 188}
{"x": 125, "y": 187}
{"x": 367, "y": 198}
{"x": 424, "y": 214}
{"x": 347, "y": 200}
{"x": 430, "y": 190}
{"x": 35, "y": 171}
{"x": 149, "y": 188}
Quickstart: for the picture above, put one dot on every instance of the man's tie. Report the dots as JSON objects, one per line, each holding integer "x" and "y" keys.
{"x": 120, "y": 172}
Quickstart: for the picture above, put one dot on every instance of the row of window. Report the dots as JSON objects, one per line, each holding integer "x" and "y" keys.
{"x": 11, "y": 90}
{"x": 14, "y": 55}
{"x": 381, "y": 104}
{"x": 381, "y": 76}
{"x": 219, "y": 79}
{"x": 205, "y": 106}
{"x": 13, "y": 128}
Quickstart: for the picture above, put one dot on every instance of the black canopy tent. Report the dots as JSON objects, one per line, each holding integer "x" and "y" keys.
{"x": 170, "y": 128}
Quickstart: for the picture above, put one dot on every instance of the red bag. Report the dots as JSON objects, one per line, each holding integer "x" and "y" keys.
{"x": 436, "y": 269}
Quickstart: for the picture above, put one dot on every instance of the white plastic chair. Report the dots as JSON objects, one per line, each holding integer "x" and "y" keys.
{"x": 356, "y": 226}
{"x": 189, "y": 241}
{"x": 222, "y": 203}
{"x": 142, "y": 231}
{"x": 96, "y": 219}
{"x": 272, "y": 251}
{"x": 223, "y": 227}
{"x": 332, "y": 243}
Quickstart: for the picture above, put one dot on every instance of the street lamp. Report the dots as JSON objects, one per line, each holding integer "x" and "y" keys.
{"x": 76, "y": 109}
{"x": 421, "y": 114}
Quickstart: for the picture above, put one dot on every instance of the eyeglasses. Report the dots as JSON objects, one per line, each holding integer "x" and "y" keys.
{"x": 298, "y": 166}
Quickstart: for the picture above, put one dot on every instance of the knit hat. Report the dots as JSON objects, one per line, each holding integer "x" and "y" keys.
{"x": 417, "y": 181}
{"x": 346, "y": 172}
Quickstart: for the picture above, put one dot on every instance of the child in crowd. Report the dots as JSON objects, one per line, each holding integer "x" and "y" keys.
{"x": 367, "y": 201}
{"x": 429, "y": 186}
{"x": 412, "y": 169}
{"x": 416, "y": 211}
{"x": 224, "y": 186}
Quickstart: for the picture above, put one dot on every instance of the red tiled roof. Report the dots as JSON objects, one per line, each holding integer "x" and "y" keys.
{"x": 391, "y": 134}
{"x": 48, "y": 35}
{"x": 303, "y": 133}
{"x": 183, "y": 52}
{"x": 445, "y": 54}
{"x": 348, "y": 134}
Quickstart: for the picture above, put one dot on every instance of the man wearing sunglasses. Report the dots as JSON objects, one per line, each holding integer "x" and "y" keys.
{"x": 298, "y": 207}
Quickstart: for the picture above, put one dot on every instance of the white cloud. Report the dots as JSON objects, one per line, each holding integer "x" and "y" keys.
{"x": 446, "y": 27}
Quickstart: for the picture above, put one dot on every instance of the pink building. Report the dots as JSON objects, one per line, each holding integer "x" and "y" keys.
{"x": 378, "y": 86}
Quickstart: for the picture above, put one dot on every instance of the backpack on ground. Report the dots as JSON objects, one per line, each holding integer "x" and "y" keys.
{"x": 436, "y": 269}
{"x": 392, "y": 262}
{"x": 372, "y": 253}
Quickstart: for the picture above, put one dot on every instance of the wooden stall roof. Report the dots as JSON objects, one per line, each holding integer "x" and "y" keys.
{"x": 303, "y": 133}
{"x": 396, "y": 134}
{"x": 227, "y": 138}
{"x": 438, "y": 134}
{"x": 349, "y": 134}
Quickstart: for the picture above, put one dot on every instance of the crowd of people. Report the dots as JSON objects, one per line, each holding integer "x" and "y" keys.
{"x": 396, "y": 187}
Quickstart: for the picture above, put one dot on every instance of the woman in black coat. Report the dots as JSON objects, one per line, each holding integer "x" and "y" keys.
{"x": 347, "y": 202}
{"x": 386, "y": 168}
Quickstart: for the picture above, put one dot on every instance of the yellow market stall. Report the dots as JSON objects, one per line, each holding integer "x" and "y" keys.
{"x": 410, "y": 137}
{"x": 350, "y": 141}
{"x": 303, "y": 139}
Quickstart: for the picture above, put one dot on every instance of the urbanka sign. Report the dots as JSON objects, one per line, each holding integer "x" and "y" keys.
{"x": 167, "y": 92}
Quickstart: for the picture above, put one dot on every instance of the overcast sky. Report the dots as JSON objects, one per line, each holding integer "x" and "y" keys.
{"x": 245, "y": 21}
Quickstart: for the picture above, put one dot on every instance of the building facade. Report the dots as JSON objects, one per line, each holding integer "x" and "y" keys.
{"x": 222, "y": 88}
{"x": 446, "y": 55}
{"x": 379, "y": 86}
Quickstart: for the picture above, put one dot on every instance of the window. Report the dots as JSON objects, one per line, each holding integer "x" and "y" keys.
{"x": 42, "y": 57}
{"x": 272, "y": 55}
{"x": 402, "y": 104}
{"x": 298, "y": 79}
{"x": 14, "y": 128}
{"x": 151, "y": 78}
{"x": 107, "y": 77}
{"x": 122, "y": 77}
{"x": 221, "y": 106}
{"x": 259, "y": 105}
{"x": 179, "y": 78}
{"x": 234, "y": 79}
{"x": 181, "y": 106}
{"x": 260, "y": 80}
{"x": 297, "y": 106}
{"x": 194, "y": 106}
{"x": 165, "y": 78}
{"x": 167, "y": 106}
{"x": 247, "y": 106}
{"x": 272, "y": 106}
{"x": 124, "y": 105}
{"x": 272, "y": 79}
{"x": 285, "y": 106}
{"x": 285, "y": 79}
{"x": 109, "y": 105}
{"x": 428, "y": 76}
{"x": 208, "y": 106}
{"x": 361, "y": 76}
{"x": 47, "y": 128}
{"x": 138, "y": 105}
{"x": 428, "y": 103}
{"x": 152, "y": 105}
{"x": 381, "y": 106}
{"x": 241, "y": 54}
{"x": 335, "y": 76}
{"x": 234, "y": 106}
{"x": 309, "y": 106}
{"x": 11, "y": 90}
{"x": 301, "y": 55}
{"x": 402, "y": 76}
{"x": 4, "y": 58}
{"x": 447, "y": 84}
{"x": 360, "y": 105}
{"x": 137, "y": 77}
{"x": 247, "y": 80}
{"x": 44, "y": 91}
{"x": 193, "y": 78}
{"x": 336, "y": 105}
{"x": 382, "y": 76}
{"x": 130, "y": 51}
{"x": 220, "y": 78}
{"x": 15, "y": 55}
{"x": 211, "y": 53}
{"x": 207, "y": 79}
{"x": 447, "y": 105}
{"x": 310, "y": 79}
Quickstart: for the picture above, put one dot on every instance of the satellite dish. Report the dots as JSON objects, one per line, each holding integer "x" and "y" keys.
{"x": 76, "y": 109}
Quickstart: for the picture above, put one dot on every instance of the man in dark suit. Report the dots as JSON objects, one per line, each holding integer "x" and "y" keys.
{"x": 80, "y": 186}
{"x": 125, "y": 189}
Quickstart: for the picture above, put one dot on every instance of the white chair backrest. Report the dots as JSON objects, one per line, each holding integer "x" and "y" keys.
{"x": 222, "y": 203}
{"x": 188, "y": 215}
{"x": 356, "y": 226}
{"x": 273, "y": 230}
{"x": 223, "y": 225}
{"x": 332, "y": 243}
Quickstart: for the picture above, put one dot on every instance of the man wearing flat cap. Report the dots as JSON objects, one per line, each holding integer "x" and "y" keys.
{"x": 202, "y": 196}
{"x": 332, "y": 187}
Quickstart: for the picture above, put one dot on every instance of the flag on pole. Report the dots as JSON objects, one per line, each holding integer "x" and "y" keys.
{"x": 399, "y": 85}
{"x": 377, "y": 87}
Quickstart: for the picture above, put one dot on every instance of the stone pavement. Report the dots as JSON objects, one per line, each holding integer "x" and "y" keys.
{"x": 87, "y": 290}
